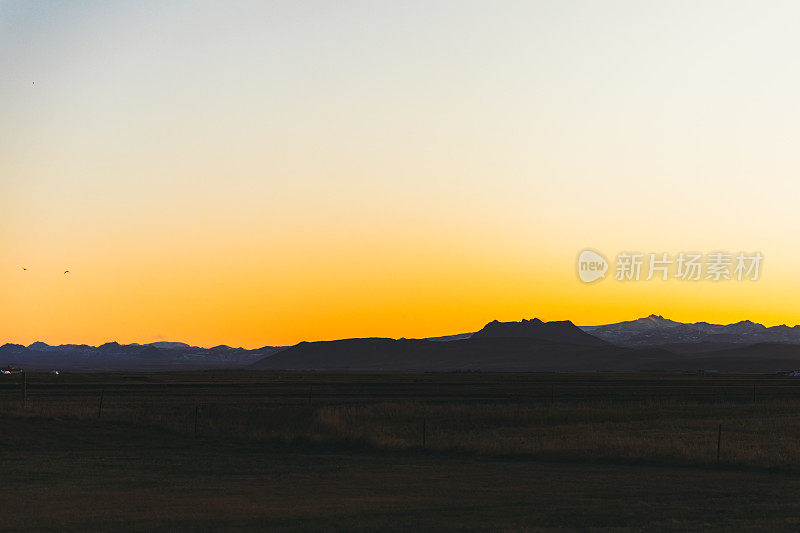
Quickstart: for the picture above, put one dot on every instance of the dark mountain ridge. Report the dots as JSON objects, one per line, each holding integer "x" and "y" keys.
{"x": 656, "y": 330}
{"x": 534, "y": 345}
{"x": 481, "y": 353}
{"x": 649, "y": 343}
{"x": 558, "y": 331}
{"x": 132, "y": 357}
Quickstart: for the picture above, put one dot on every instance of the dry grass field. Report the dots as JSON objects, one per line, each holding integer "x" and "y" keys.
{"x": 232, "y": 450}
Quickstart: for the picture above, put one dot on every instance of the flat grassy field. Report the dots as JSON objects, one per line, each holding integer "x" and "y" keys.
{"x": 349, "y": 451}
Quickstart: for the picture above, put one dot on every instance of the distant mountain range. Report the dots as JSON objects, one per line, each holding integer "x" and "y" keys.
{"x": 474, "y": 354}
{"x": 138, "y": 357}
{"x": 651, "y": 343}
{"x": 648, "y": 344}
{"x": 656, "y": 330}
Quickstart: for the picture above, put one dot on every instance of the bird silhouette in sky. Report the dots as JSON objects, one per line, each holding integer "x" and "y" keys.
{"x": 23, "y": 268}
{"x": 66, "y": 272}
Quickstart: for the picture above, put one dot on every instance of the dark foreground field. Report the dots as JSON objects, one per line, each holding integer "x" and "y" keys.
{"x": 399, "y": 451}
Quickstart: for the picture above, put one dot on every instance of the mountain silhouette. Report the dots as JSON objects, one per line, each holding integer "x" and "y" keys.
{"x": 656, "y": 330}
{"x": 651, "y": 343}
{"x": 529, "y": 345}
{"x": 133, "y": 357}
{"x": 560, "y": 332}
{"x": 481, "y": 353}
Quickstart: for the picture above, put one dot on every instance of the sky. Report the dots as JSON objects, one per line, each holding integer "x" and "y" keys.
{"x": 260, "y": 173}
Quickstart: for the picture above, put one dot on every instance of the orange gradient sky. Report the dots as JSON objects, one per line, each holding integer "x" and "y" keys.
{"x": 255, "y": 173}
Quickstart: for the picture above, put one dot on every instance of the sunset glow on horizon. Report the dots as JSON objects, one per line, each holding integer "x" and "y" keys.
{"x": 261, "y": 173}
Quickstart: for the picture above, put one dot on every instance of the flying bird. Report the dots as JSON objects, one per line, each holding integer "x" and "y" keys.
{"x": 66, "y": 272}
{"x": 23, "y": 268}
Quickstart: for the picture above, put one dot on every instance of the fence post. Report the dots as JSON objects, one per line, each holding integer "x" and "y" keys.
{"x": 100, "y": 407}
{"x": 719, "y": 440}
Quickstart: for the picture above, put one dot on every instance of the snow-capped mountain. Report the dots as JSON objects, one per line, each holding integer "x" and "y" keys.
{"x": 656, "y": 330}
